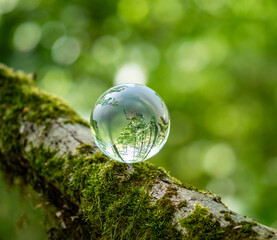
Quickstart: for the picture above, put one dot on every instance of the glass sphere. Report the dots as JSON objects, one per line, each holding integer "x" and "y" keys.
{"x": 130, "y": 123}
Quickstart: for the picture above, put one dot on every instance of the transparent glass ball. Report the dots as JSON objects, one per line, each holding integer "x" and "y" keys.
{"x": 130, "y": 123}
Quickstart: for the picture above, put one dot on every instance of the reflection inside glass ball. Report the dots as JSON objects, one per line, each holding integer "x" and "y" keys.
{"x": 130, "y": 123}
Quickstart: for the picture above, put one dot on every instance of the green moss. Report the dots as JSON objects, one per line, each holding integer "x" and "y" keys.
{"x": 193, "y": 188}
{"x": 190, "y": 187}
{"x": 85, "y": 148}
{"x": 227, "y": 212}
{"x": 200, "y": 224}
{"x": 241, "y": 230}
{"x": 182, "y": 204}
{"x": 170, "y": 192}
{"x": 227, "y": 217}
{"x": 113, "y": 197}
{"x": 247, "y": 227}
{"x": 21, "y": 100}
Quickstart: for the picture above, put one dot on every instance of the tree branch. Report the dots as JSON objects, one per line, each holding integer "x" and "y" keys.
{"x": 50, "y": 147}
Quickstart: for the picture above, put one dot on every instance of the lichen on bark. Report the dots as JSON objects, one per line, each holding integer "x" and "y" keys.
{"x": 49, "y": 146}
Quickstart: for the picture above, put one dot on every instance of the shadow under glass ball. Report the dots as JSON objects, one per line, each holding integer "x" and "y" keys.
{"x": 130, "y": 123}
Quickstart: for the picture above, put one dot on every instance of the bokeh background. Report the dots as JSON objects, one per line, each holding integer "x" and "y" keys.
{"x": 213, "y": 62}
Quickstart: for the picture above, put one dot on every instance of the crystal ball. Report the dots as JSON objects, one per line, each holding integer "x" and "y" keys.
{"x": 130, "y": 123}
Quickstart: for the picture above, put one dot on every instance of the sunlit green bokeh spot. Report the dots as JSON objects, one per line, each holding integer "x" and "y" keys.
{"x": 107, "y": 50}
{"x": 144, "y": 53}
{"x": 190, "y": 159}
{"x": 220, "y": 160}
{"x": 130, "y": 123}
{"x": 133, "y": 11}
{"x": 224, "y": 186}
{"x": 168, "y": 13}
{"x": 7, "y": 5}
{"x": 66, "y": 50}
{"x": 191, "y": 56}
{"x": 26, "y": 36}
{"x": 56, "y": 81}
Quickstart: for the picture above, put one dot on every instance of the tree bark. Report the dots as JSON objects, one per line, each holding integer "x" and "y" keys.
{"x": 45, "y": 143}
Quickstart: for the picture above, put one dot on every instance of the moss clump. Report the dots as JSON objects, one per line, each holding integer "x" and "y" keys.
{"x": 190, "y": 187}
{"x": 241, "y": 230}
{"x": 85, "y": 148}
{"x": 21, "y": 100}
{"x": 200, "y": 224}
{"x": 227, "y": 217}
{"x": 182, "y": 204}
{"x": 227, "y": 212}
{"x": 170, "y": 192}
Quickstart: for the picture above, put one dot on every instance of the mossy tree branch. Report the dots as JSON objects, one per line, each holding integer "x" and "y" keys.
{"x": 45, "y": 143}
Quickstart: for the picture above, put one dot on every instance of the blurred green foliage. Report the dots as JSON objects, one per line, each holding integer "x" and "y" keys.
{"x": 213, "y": 62}
{"x": 21, "y": 216}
